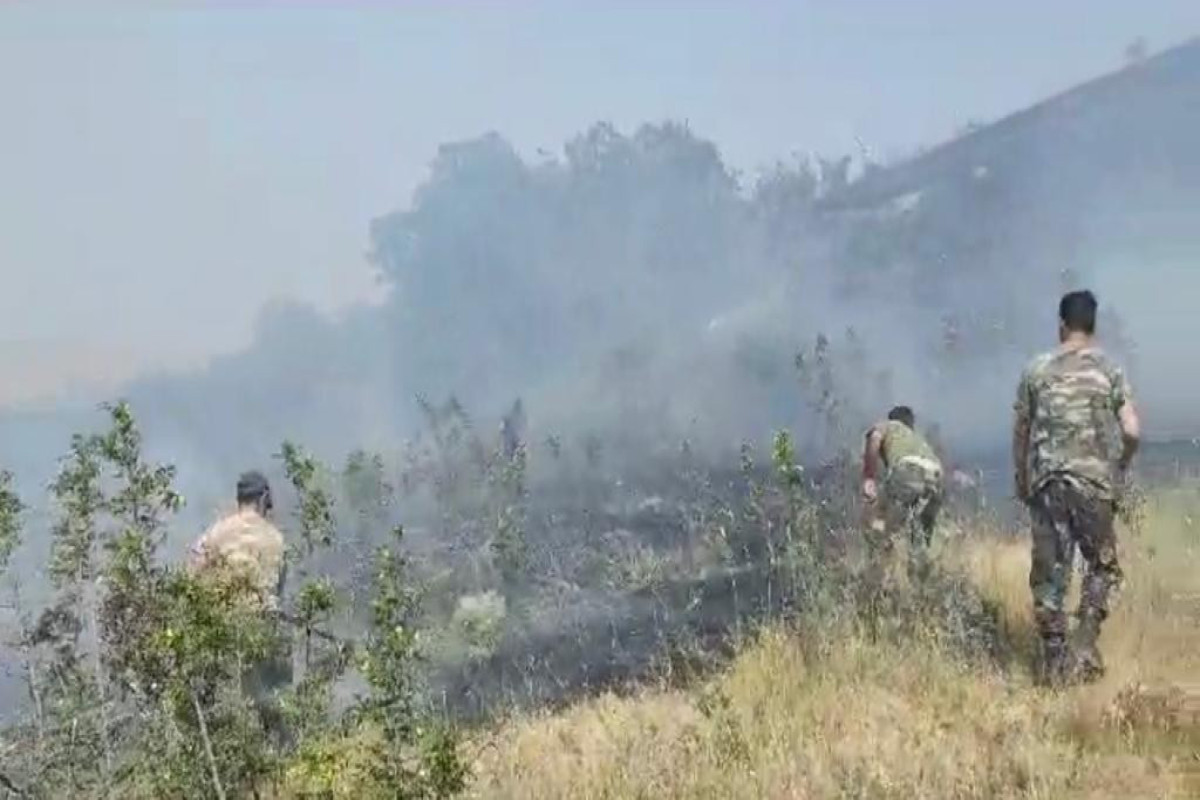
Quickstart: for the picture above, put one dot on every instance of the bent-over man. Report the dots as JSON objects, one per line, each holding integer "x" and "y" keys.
{"x": 911, "y": 493}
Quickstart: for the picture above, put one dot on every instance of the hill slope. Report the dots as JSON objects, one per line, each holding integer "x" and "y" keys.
{"x": 838, "y": 712}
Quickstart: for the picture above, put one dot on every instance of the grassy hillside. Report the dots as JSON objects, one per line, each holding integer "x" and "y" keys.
{"x": 927, "y": 694}
{"x": 848, "y": 711}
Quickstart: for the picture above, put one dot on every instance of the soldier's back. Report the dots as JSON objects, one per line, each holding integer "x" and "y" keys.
{"x": 245, "y": 542}
{"x": 901, "y": 442}
{"x": 1072, "y": 398}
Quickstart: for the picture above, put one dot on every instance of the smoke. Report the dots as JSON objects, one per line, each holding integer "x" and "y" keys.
{"x": 636, "y": 288}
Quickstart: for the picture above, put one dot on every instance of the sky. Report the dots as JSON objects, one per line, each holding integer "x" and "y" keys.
{"x": 167, "y": 171}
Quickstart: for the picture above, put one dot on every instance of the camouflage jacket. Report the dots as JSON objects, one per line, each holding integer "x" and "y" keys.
{"x": 247, "y": 542}
{"x": 910, "y": 460}
{"x": 1069, "y": 400}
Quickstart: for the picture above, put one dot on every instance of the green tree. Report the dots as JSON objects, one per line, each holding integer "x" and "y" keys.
{"x": 11, "y": 509}
{"x": 324, "y": 656}
{"x": 417, "y": 759}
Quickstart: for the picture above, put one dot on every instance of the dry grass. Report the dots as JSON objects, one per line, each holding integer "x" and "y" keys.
{"x": 836, "y": 714}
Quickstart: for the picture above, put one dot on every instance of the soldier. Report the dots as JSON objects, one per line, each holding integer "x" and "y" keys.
{"x": 247, "y": 542}
{"x": 911, "y": 496}
{"x": 1070, "y": 406}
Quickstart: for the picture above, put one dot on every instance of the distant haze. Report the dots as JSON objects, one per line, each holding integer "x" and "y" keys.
{"x": 168, "y": 172}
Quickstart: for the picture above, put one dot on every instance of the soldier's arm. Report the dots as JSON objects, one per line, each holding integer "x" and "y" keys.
{"x": 1131, "y": 433}
{"x": 1022, "y": 414}
{"x": 872, "y": 461}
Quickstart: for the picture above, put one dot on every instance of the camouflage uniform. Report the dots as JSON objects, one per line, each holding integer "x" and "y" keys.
{"x": 909, "y": 501}
{"x": 1069, "y": 400}
{"x": 248, "y": 544}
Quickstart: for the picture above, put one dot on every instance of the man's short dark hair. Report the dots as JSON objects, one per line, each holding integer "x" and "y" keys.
{"x": 1077, "y": 312}
{"x": 903, "y": 414}
{"x": 251, "y": 487}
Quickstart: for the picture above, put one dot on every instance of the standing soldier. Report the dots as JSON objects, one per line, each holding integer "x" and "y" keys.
{"x": 246, "y": 542}
{"x": 1070, "y": 406}
{"x": 911, "y": 493}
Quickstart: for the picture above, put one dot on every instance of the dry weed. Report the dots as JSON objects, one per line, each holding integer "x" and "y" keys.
{"x": 840, "y": 715}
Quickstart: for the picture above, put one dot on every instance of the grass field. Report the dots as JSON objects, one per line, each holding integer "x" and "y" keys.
{"x": 836, "y": 712}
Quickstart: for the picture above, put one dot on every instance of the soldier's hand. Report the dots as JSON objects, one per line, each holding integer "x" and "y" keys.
{"x": 1122, "y": 489}
{"x": 870, "y": 490}
{"x": 1129, "y": 503}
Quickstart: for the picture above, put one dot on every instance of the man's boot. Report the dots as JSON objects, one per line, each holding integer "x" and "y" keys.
{"x": 1088, "y": 665}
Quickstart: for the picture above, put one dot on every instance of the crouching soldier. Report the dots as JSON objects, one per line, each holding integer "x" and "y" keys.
{"x": 902, "y": 491}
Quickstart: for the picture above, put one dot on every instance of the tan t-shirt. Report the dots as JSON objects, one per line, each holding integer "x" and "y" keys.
{"x": 244, "y": 541}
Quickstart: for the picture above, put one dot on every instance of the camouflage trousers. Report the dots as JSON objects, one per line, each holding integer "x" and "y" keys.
{"x": 909, "y": 510}
{"x": 1066, "y": 517}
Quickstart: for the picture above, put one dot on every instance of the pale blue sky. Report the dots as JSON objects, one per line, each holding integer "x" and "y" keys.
{"x": 189, "y": 165}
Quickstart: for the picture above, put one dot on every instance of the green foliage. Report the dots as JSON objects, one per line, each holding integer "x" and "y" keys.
{"x": 206, "y": 629}
{"x": 449, "y": 462}
{"x": 756, "y": 522}
{"x": 73, "y": 698}
{"x": 173, "y": 760}
{"x": 325, "y": 657}
{"x": 783, "y": 456}
{"x": 144, "y": 494}
{"x": 11, "y": 509}
{"x": 152, "y": 681}
{"x": 77, "y": 492}
{"x": 509, "y": 547}
{"x": 443, "y": 771}
{"x": 480, "y": 490}
{"x": 315, "y": 513}
{"x": 306, "y": 706}
{"x": 316, "y": 600}
{"x": 416, "y": 760}
{"x": 801, "y": 525}
{"x": 365, "y": 487}
{"x": 391, "y": 645}
{"x": 204, "y": 635}
{"x": 92, "y": 658}
{"x": 369, "y": 498}
{"x": 141, "y": 499}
